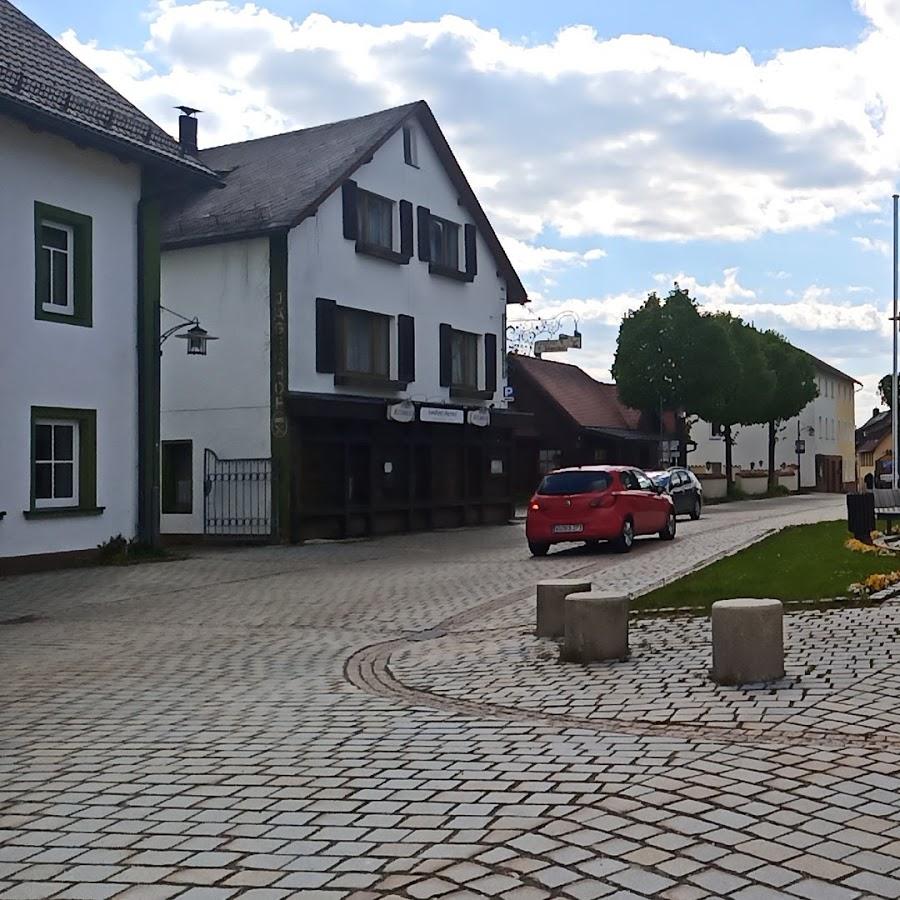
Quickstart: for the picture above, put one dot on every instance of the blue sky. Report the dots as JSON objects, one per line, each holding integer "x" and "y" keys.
{"x": 747, "y": 150}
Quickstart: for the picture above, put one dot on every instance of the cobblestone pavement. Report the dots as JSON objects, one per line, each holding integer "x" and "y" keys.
{"x": 373, "y": 720}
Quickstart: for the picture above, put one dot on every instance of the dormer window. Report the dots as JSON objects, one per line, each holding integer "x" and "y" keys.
{"x": 376, "y": 220}
{"x": 410, "y": 150}
{"x": 444, "y": 241}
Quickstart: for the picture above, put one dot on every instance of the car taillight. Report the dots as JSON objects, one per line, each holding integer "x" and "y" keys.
{"x": 535, "y": 505}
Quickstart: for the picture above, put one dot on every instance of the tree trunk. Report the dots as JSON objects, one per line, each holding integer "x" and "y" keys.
{"x": 682, "y": 439}
{"x": 729, "y": 474}
{"x": 773, "y": 475}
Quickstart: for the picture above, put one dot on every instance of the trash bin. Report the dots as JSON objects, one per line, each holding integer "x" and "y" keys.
{"x": 861, "y": 516}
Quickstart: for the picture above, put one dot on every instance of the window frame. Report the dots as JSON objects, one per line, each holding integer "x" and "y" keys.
{"x": 410, "y": 147}
{"x": 67, "y": 309}
{"x": 384, "y": 322}
{"x": 363, "y": 199}
{"x": 440, "y": 260}
{"x": 165, "y": 507}
{"x": 80, "y": 261}
{"x": 84, "y": 501}
{"x": 54, "y": 502}
{"x": 472, "y": 339}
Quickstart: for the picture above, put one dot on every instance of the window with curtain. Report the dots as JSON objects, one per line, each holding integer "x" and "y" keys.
{"x": 464, "y": 359}
{"x": 376, "y": 220}
{"x": 363, "y": 342}
{"x": 444, "y": 239}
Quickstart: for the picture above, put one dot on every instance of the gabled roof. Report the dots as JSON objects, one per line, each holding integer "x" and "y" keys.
{"x": 590, "y": 404}
{"x": 44, "y": 84}
{"x": 873, "y": 430}
{"x": 829, "y": 369}
{"x": 274, "y": 183}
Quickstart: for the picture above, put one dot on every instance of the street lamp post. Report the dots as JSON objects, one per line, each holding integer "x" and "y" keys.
{"x": 894, "y": 364}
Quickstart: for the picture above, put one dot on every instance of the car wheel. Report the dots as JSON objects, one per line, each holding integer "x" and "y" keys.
{"x": 625, "y": 541}
{"x": 695, "y": 509}
{"x": 538, "y": 549}
{"x": 668, "y": 533}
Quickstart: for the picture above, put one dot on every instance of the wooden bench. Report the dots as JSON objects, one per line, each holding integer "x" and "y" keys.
{"x": 887, "y": 504}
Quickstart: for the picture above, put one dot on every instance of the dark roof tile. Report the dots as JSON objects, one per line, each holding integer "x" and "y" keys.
{"x": 41, "y": 81}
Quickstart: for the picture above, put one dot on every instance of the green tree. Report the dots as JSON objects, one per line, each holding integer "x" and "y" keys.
{"x": 742, "y": 385}
{"x": 659, "y": 363}
{"x": 794, "y": 387}
{"x": 885, "y": 390}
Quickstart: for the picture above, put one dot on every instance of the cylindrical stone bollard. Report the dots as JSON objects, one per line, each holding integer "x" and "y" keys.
{"x": 551, "y": 597}
{"x": 596, "y": 627}
{"x": 747, "y": 641}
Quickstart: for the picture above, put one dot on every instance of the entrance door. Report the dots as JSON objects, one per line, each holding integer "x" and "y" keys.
{"x": 829, "y": 473}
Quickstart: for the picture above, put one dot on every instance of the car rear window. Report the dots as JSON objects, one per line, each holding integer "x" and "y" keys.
{"x": 574, "y": 483}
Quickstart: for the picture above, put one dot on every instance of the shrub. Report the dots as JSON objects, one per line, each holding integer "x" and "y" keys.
{"x": 120, "y": 551}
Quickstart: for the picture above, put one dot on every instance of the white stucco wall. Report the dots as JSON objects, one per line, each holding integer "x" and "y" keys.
{"x": 219, "y": 401}
{"x": 50, "y": 364}
{"x": 322, "y": 263}
{"x": 830, "y": 415}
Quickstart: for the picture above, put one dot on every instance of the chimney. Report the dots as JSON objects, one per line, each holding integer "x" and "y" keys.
{"x": 187, "y": 129}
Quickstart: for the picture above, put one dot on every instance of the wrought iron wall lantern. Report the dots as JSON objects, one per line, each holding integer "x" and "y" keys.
{"x": 196, "y": 336}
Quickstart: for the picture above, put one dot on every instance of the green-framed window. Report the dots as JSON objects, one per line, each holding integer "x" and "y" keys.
{"x": 63, "y": 251}
{"x": 63, "y": 462}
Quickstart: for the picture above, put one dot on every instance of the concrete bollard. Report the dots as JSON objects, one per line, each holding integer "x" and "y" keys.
{"x": 747, "y": 641}
{"x": 551, "y": 597}
{"x": 596, "y": 627}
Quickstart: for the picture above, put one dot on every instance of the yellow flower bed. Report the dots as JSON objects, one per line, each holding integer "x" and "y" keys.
{"x": 861, "y": 547}
{"x": 874, "y": 583}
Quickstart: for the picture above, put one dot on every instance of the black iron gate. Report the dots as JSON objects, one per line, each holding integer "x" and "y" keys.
{"x": 237, "y": 496}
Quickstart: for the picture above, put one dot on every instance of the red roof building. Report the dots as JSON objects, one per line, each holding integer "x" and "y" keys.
{"x": 577, "y": 420}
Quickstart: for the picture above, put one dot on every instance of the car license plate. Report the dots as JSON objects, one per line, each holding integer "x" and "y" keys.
{"x": 567, "y": 529}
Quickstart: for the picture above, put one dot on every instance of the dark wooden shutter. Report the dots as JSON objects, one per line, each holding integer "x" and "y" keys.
{"x": 406, "y": 229}
{"x": 406, "y": 348}
{"x": 351, "y": 217}
{"x": 471, "y": 259}
{"x": 446, "y": 355}
{"x": 424, "y": 223}
{"x": 490, "y": 362}
{"x": 326, "y": 335}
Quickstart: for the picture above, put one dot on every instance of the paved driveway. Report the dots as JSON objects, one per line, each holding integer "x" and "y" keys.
{"x": 373, "y": 719}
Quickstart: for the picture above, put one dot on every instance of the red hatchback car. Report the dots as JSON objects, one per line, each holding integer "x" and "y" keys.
{"x": 597, "y": 503}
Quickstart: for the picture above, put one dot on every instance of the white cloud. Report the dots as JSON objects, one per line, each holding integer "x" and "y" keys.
{"x": 528, "y": 258}
{"x": 873, "y": 245}
{"x": 814, "y": 311}
{"x": 627, "y": 136}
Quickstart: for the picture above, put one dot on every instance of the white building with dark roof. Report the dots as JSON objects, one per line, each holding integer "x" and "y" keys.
{"x": 79, "y": 254}
{"x": 825, "y": 426}
{"x": 359, "y": 292}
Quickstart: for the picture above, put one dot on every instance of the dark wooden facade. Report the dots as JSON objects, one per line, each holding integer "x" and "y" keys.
{"x": 354, "y": 472}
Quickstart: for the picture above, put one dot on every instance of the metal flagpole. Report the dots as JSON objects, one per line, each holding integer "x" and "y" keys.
{"x": 894, "y": 324}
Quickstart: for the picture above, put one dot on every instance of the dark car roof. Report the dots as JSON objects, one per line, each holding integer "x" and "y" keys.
{"x": 596, "y": 469}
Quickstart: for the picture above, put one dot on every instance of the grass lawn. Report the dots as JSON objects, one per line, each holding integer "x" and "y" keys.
{"x": 804, "y": 562}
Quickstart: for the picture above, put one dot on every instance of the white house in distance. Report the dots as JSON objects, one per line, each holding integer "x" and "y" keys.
{"x": 826, "y": 426}
{"x": 358, "y": 292}
{"x": 79, "y": 256}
